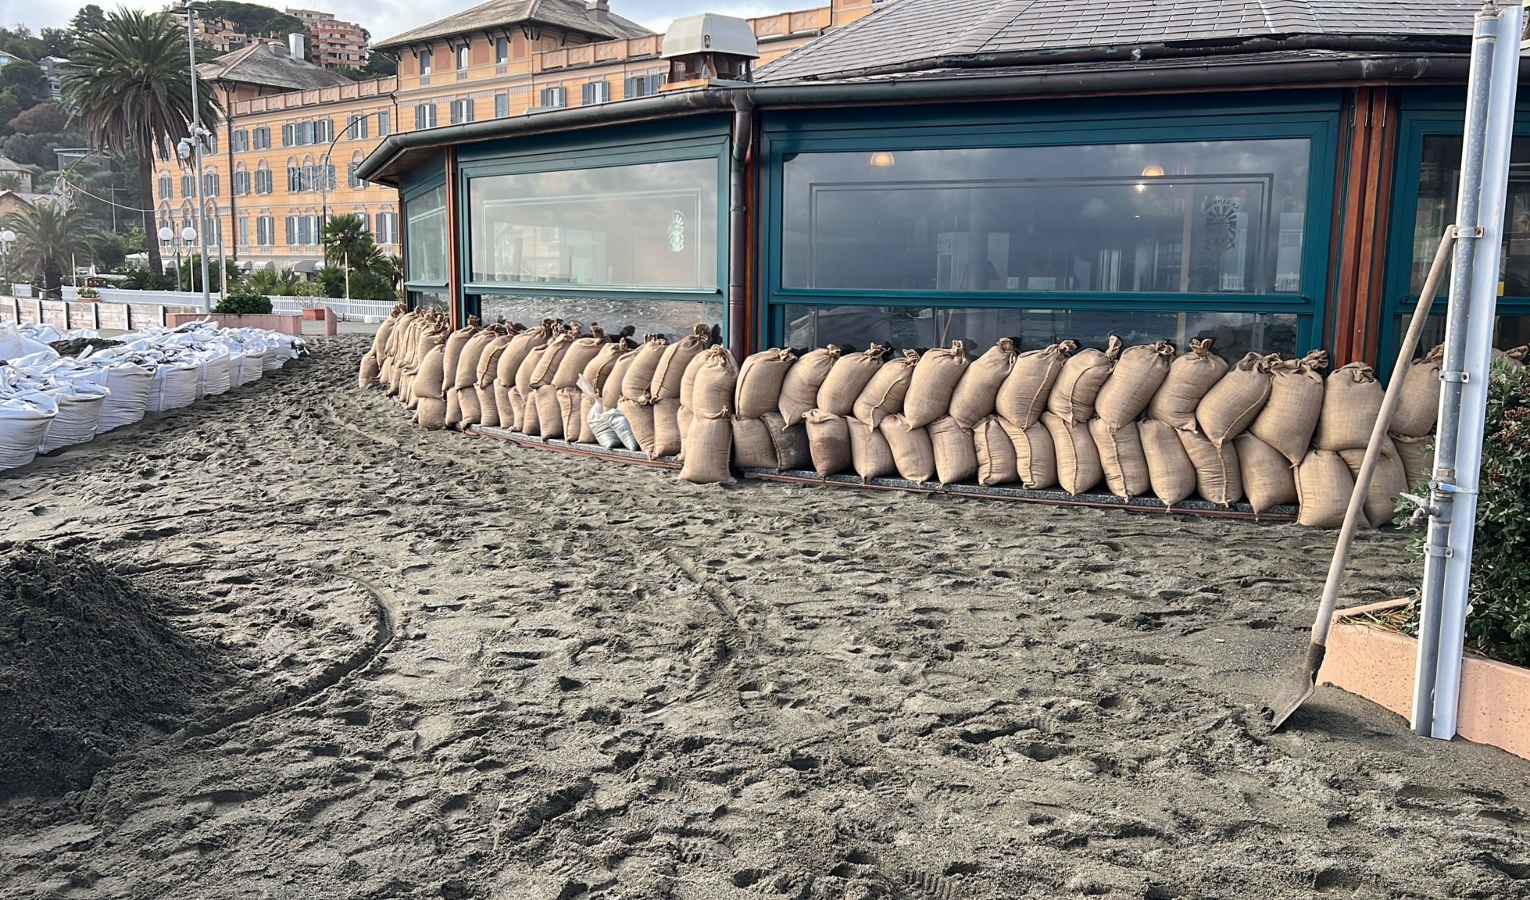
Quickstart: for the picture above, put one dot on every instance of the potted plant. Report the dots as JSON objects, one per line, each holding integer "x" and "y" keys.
{"x": 244, "y": 307}
{"x": 312, "y": 302}
{"x": 89, "y": 295}
{"x": 1371, "y": 650}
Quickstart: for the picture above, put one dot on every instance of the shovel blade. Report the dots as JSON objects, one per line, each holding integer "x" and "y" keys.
{"x": 1298, "y": 687}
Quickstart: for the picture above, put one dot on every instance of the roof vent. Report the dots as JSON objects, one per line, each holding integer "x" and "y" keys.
{"x": 709, "y": 47}
{"x": 599, "y": 10}
{"x": 277, "y": 48}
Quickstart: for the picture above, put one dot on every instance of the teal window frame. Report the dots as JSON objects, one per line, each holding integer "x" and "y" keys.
{"x": 425, "y": 178}
{"x": 701, "y": 137}
{"x": 1424, "y": 114}
{"x": 1313, "y": 115}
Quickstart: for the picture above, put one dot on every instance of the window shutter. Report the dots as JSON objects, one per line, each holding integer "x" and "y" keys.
{"x": 287, "y": 135}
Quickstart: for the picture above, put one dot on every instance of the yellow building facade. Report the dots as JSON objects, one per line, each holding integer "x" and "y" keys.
{"x": 285, "y": 161}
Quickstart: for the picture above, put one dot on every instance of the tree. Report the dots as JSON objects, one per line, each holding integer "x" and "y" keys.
{"x": 89, "y": 20}
{"x": 44, "y": 118}
{"x": 347, "y": 242}
{"x": 47, "y": 238}
{"x": 271, "y": 283}
{"x": 131, "y": 86}
{"x": 25, "y": 81}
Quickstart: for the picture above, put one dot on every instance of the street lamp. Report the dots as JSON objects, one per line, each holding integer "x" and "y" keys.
{"x": 7, "y": 236}
{"x": 167, "y": 240}
{"x": 189, "y": 237}
{"x": 193, "y": 7}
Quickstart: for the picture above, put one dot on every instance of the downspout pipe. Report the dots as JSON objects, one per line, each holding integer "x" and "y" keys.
{"x": 1437, "y": 547}
{"x": 738, "y": 224}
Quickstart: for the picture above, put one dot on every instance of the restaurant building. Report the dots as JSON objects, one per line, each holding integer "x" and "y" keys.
{"x": 1276, "y": 176}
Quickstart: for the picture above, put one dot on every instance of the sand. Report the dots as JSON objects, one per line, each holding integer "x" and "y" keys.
{"x": 474, "y": 670}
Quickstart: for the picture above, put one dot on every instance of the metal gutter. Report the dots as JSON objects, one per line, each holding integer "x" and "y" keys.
{"x": 391, "y": 158}
{"x": 738, "y": 231}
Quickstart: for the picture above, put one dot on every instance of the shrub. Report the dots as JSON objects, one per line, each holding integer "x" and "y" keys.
{"x": 90, "y": 293}
{"x": 1498, "y": 614}
{"x": 308, "y": 289}
{"x": 242, "y": 301}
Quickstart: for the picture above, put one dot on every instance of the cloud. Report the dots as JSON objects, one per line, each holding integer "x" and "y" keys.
{"x": 384, "y": 18}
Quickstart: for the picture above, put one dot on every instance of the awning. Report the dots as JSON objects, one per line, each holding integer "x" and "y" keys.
{"x": 307, "y": 266}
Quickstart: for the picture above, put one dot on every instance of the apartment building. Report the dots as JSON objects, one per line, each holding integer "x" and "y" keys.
{"x": 287, "y": 158}
{"x": 333, "y": 43}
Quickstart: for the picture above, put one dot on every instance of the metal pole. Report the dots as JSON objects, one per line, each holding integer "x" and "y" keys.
{"x": 196, "y": 152}
{"x": 1437, "y": 545}
{"x": 222, "y": 271}
{"x": 1459, "y": 474}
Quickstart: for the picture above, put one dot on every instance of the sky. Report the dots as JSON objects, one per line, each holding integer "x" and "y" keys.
{"x": 384, "y": 18}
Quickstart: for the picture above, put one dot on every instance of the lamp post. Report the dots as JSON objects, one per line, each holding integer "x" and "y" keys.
{"x": 7, "y": 237}
{"x": 167, "y": 240}
{"x": 189, "y": 238}
{"x": 197, "y": 136}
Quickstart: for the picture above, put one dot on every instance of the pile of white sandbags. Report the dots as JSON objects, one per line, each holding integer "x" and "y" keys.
{"x": 48, "y": 401}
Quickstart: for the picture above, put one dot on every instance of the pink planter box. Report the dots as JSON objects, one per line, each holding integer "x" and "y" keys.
{"x": 281, "y": 323}
{"x": 1378, "y": 664}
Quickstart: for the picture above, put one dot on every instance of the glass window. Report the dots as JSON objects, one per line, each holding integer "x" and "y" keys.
{"x": 672, "y": 318}
{"x": 462, "y": 57}
{"x": 425, "y": 61}
{"x": 595, "y": 92}
{"x": 426, "y": 218}
{"x": 1233, "y": 333}
{"x": 1439, "y": 176}
{"x": 501, "y": 49}
{"x": 1192, "y": 217}
{"x": 384, "y": 124}
{"x": 501, "y": 105}
{"x": 1509, "y": 332}
{"x": 648, "y": 226}
{"x": 427, "y": 299}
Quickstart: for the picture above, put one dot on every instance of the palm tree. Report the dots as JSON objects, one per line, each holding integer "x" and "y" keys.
{"x": 131, "y": 86}
{"x": 48, "y": 237}
{"x": 280, "y": 283}
{"x": 347, "y": 242}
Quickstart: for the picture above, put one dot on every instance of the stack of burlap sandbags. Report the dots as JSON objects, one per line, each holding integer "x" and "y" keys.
{"x": 911, "y": 435}
{"x": 371, "y": 363}
{"x": 1070, "y": 406}
{"x": 828, "y": 423}
{"x": 602, "y": 374}
{"x": 706, "y": 416}
{"x": 756, "y": 423}
{"x": 1412, "y": 427}
{"x": 1125, "y": 395}
{"x": 509, "y": 398}
{"x": 1278, "y": 438}
{"x": 1325, "y": 479}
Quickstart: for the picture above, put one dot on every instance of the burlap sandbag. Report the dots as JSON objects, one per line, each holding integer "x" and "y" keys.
{"x": 1217, "y": 476}
{"x": 637, "y": 381}
{"x": 978, "y": 391}
{"x": 935, "y": 379}
{"x": 549, "y": 412}
{"x": 666, "y": 428}
{"x": 428, "y": 381}
{"x": 1387, "y": 481}
{"x": 1170, "y": 472}
{"x": 669, "y": 373}
{"x": 753, "y": 447}
{"x": 913, "y": 454}
{"x": 1035, "y": 456}
{"x": 366, "y": 376}
{"x": 1323, "y": 486}
{"x": 508, "y": 370}
{"x": 569, "y": 404}
{"x": 759, "y": 382}
{"x": 715, "y": 383}
{"x": 431, "y": 413}
{"x": 1078, "y": 459}
{"x": 1417, "y": 456}
{"x": 640, "y": 418}
{"x": 847, "y": 379}
{"x": 955, "y": 452}
{"x": 552, "y": 356}
{"x": 529, "y": 365}
{"x": 1290, "y": 415}
{"x": 1022, "y": 398}
{"x": 1419, "y": 405}
{"x": 456, "y": 342}
{"x": 578, "y": 356}
{"x": 1078, "y": 384}
{"x": 586, "y": 430}
{"x": 884, "y": 393}
{"x": 467, "y": 361}
{"x": 1351, "y": 402}
{"x": 469, "y": 405}
{"x": 869, "y": 453}
{"x": 487, "y": 384}
{"x": 611, "y": 391}
{"x": 599, "y": 369}
{"x": 1515, "y": 357}
{"x": 1137, "y": 376}
{"x": 707, "y": 446}
{"x": 995, "y": 453}
{"x": 516, "y": 402}
{"x": 683, "y": 419}
{"x": 828, "y": 442}
{"x": 1233, "y": 403}
{"x": 453, "y": 407}
{"x": 792, "y": 451}
{"x": 1121, "y": 458}
{"x": 1269, "y": 478}
{"x": 799, "y": 389}
{"x": 1189, "y": 378}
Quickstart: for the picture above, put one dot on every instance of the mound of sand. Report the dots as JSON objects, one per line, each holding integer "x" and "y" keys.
{"x": 88, "y": 664}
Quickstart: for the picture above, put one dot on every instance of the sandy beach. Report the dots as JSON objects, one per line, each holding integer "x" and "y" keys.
{"x": 443, "y": 666}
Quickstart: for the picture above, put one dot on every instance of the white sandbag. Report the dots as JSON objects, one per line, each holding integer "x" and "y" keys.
{"x": 128, "y": 385}
{"x": 174, "y": 385}
{"x": 79, "y": 411}
{"x": 24, "y": 419}
{"x": 213, "y": 376}
{"x": 14, "y": 344}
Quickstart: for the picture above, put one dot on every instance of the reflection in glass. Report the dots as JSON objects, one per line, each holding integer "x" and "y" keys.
{"x": 1223, "y": 217}
{"x": 1233, "y": 333}
{"x": 672, "y": 318}
{"x": 1508, "y": 332}
{"x": 426, "y": 238}
{"x": 650, "y": 226}
{"x": 427, "y": 300}
{"x": 1439, "y": 176}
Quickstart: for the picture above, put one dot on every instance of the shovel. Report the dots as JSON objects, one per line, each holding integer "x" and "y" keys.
{"x": 1304, "y": 681}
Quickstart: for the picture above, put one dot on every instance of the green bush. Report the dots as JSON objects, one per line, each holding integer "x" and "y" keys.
{"x": 308, "y": 289}
{"x": 1498, "y": 614}
{"x": 242, "y": 301}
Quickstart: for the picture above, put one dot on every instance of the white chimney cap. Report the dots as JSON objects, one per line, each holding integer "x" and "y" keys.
{"x": 710, "y": 33}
